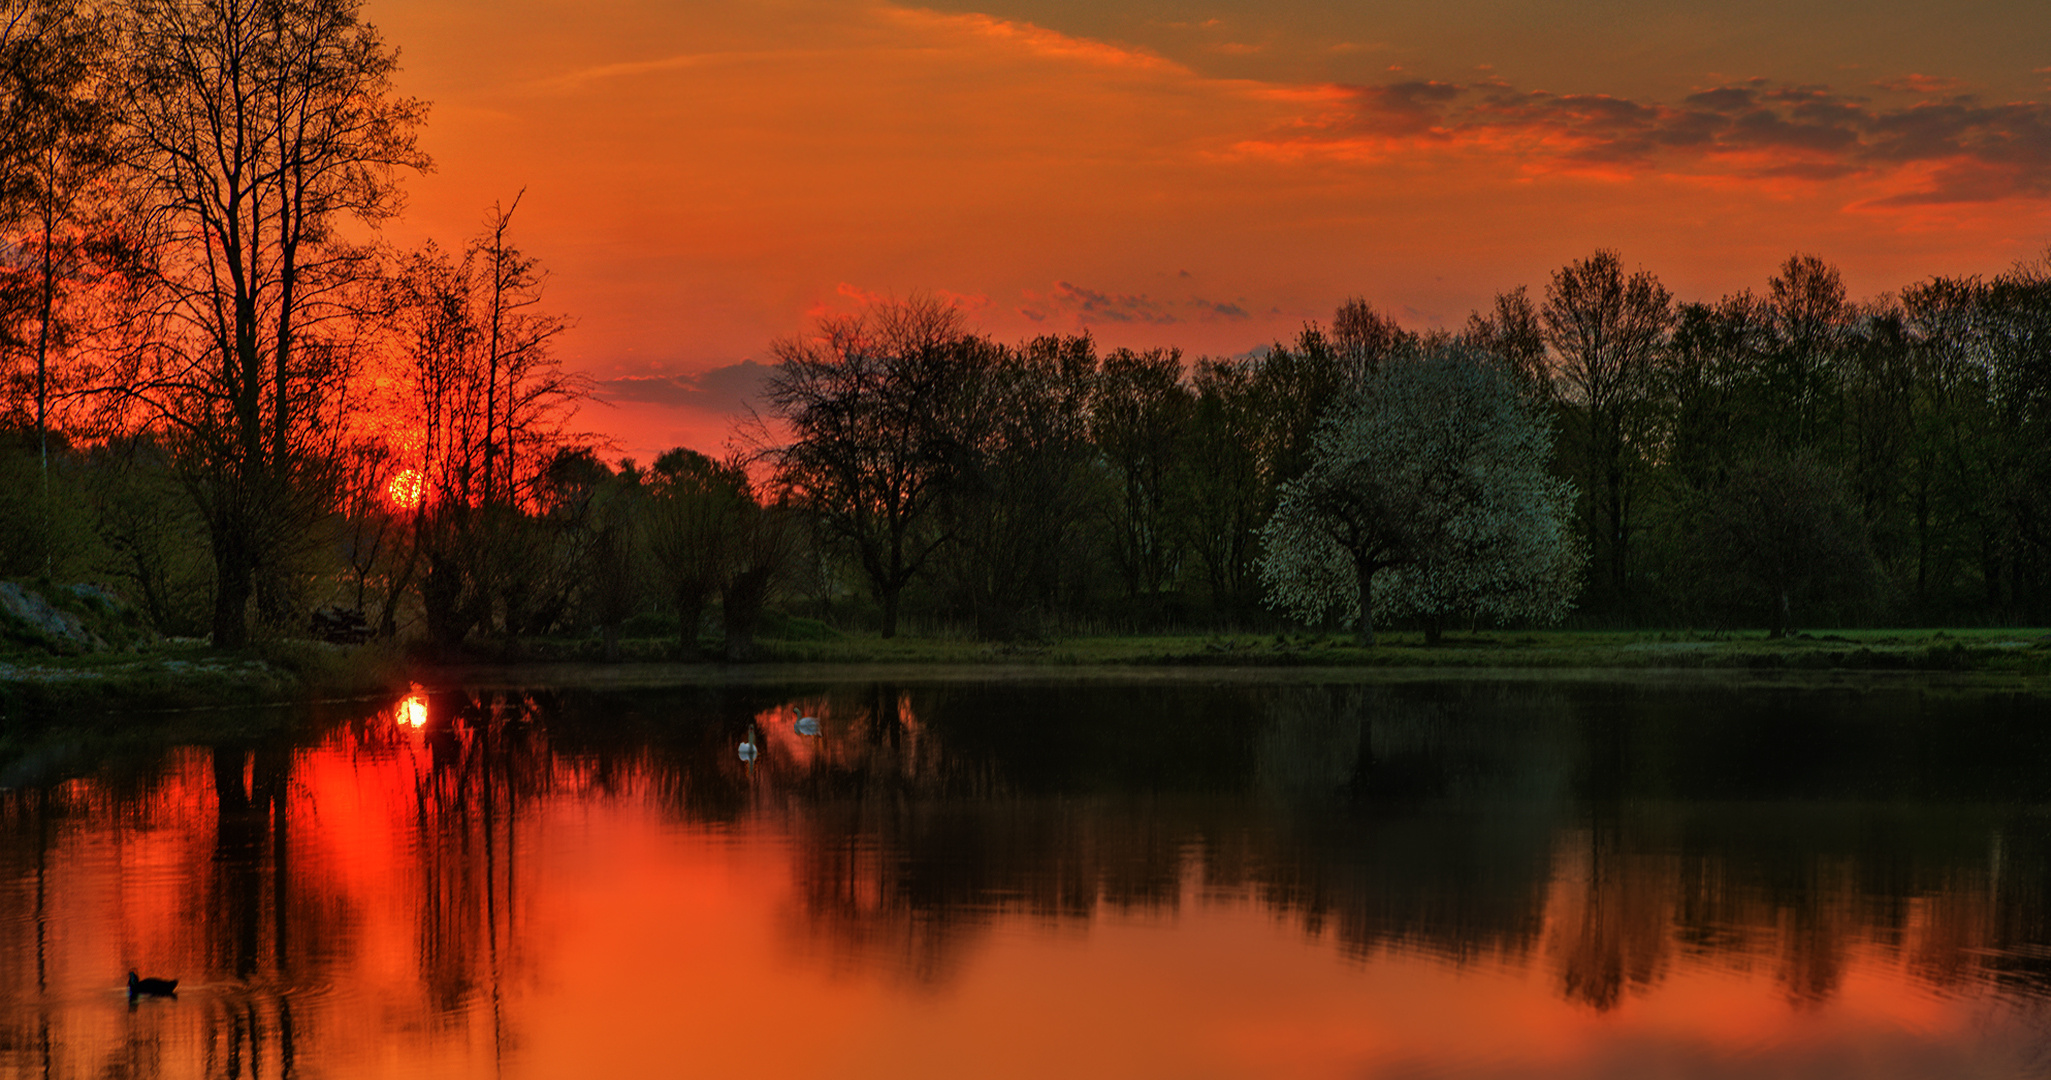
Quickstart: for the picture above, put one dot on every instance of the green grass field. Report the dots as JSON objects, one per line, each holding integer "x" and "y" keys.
{"x": 181, "y": 674}
{"x": 2009, "y": 651}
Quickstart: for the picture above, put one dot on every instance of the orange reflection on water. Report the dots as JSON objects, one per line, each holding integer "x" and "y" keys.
{"x": 472, "y": 900}
{"x": 412, "y": 709}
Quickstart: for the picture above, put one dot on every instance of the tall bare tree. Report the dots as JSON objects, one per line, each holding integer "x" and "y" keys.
{"x": 256, "y": 132}
{"x": 1513, "y": 333}
{"x": 1812, "y": 325}
{"x": 884, "y": 410}
{"x": 486, "y": 404}
{"x": 53, "y": 148}
{"x": 1607, "y": 330}
{"x": 1139, "y": 410}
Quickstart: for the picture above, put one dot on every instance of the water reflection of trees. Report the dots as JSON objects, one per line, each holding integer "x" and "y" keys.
{"x": 1611, "y": 836}
{"x": 1614, "y": 835}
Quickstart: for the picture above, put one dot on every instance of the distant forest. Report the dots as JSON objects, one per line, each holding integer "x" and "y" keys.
{"x": 224, "y": 399}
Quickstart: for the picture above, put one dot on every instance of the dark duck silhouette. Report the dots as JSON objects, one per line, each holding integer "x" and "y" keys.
{"x": 151, "y": 987}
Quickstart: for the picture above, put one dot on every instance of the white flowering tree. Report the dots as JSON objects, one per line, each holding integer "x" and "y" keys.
{"x": 1427, "y": 494}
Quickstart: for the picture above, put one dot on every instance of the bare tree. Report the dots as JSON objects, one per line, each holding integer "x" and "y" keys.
{"x": 1812, "y": 328}
{"x": 254, "y": 131}
{"x": 53, "y": 148}
{"x": 883, "y": 409}
{"x": 1362, "y": 337}
{"x": 523, "y": 384}
{"x": 1607, "y": 330}
{"x": 1140, "y": 409}
{"x": 1513, "y": 333}
{"x": 485, "y": 406}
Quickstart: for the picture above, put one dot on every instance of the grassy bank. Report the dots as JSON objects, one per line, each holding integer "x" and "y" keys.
{"x": 2012, "y": 652}
{"x": 172, "y": 675}
{"x": 175, "y": 674}
{"x": 2007, "y": 652}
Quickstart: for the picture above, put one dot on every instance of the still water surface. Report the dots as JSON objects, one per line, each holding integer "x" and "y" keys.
{"x": 1029, "y": 878}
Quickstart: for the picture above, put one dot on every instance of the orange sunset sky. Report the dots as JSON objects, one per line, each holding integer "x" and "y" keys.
{"x": 704, "y": 177}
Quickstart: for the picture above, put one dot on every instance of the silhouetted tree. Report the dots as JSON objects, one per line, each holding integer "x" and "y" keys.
{"x": 1228, "y": 489}
{"x": 1784, "y": 529}
{"x": 1019, "y": 507}
{"x": 253, "y": 132}
{"x": 54, "y": 150}
{"x": 1607, "y": 330}
{"x": 764, "y": 541}
{"x": 1812, "y": 324}
{"x": 1513, "y": 333}
{"x": 1139, "y": 410}
{"x": 883, "y": 409}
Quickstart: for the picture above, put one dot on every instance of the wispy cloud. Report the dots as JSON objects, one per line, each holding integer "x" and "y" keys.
{"x": 585, "y": 77}
{"x": 1041, "y": 41}
{"x": 1085, "y": 306}
{"x": 1921, "y": 84}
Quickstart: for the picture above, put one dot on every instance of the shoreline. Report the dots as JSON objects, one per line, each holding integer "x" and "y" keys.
{"x": 189, "y": 676}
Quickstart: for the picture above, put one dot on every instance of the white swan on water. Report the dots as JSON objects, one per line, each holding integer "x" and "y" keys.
{"x": 748, "y": 749}
{"x": 808, "y": 725}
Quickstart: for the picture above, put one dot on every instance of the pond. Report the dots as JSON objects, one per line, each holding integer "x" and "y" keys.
{"x": 1181, "y": 877}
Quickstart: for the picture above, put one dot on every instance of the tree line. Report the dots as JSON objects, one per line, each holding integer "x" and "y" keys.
{"x": 225, "y": 396}
{"x": 1774, "y": 459}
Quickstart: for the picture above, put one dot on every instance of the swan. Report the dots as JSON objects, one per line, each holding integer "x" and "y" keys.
{"x": 151, "y": 987}
{"x": 748, "y": 750}
{"x": 808, "y": 725}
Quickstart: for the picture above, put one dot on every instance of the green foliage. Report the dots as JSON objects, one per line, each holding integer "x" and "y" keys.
{"x": 778, "y": 626}
{"x": 1429, "y": 475}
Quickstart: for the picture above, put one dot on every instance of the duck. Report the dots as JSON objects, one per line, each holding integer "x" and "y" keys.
{"x": 748, "y": 749}
{"x": 138, "y": 987}
{"x": 808, "y": 725}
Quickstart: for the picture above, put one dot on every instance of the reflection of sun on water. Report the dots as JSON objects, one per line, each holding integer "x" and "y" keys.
{"x": 412, "y": 710}
{"x": 406, "y": 489}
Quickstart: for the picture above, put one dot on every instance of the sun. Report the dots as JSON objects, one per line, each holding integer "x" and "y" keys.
{"x": 407, "y": 489}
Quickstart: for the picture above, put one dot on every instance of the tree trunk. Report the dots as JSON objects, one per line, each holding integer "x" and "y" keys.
{"x": 48, "y": 540}
{"x": 233, "y": 574}
{"x": 1434, "y": 629}
{"x": 889, "y": 599}
{"x": 1365, "y": 571}
{"x": 441, "y": 601}
{"x": 690, "y": 615}
{"x": 741, "y": 611}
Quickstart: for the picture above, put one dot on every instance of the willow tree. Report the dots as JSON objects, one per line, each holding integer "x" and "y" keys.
{"x": 256, "y": 134}
{"x": 1430, "y": 476}
{"x": 689, "y": 526}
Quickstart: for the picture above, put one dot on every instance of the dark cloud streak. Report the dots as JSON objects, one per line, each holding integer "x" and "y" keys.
{"x": 1965, "y": 150}
{"x": 733, "y": 388}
